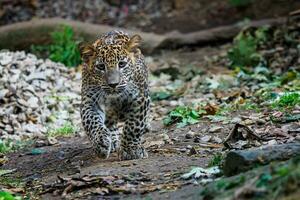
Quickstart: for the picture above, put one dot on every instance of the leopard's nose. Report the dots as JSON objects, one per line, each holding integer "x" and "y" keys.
{"x": 113, "y": 85}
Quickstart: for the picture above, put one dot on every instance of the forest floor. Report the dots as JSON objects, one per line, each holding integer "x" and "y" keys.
{"x": 70, "y": 169}
{"x": 199, "y": 94}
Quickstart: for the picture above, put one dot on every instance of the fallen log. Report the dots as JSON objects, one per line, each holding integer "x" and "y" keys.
{"x": 20, "y": 36}
{"x": 219, "y": 34}
{"x": 243, "y": 160}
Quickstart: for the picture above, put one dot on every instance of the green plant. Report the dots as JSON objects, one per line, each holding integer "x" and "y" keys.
{"x": 248, "y": 105}
{"x": 216, "y": 160}
{"x": 8, "y": 196}
{"x": 263, "y": 180}
{"x": 287, "y": 100}
{"x": 244, "y": 51}
{"x": 64, "y": 47}
{"x": 288, "y": 77}
{"x": 183, "y": 116}
{"x": 66, "y": 130}
{"x": 8, "y": 145}
{"x": 12, "y": 182}
{"x": 282, "y": 180}
{"x": 226, "y": 185}
{"x": 5, "y": 146}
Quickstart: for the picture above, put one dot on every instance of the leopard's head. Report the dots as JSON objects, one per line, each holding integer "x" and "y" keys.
{"x": 109, "y": 61}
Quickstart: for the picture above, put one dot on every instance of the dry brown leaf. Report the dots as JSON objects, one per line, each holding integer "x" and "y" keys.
{"x": 211, "y": 109}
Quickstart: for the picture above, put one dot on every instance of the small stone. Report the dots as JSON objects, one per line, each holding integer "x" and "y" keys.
{"x": 217, "y": 140}
{"x": 260, "y": 121}
{"x": 173, "y": 103}
{"x": 5, "y": 58}
{"x": 52, "y": 140}
{"x": 248, "y": 122}
{"x": 41, "y": 143}
{"x": 3, "y": 93}
{"x": 36, "y": 76}
{"x": 192, "y": 151}
{"x": 33, "y": 102}
{"x": 189, "y": 135}
{"x": 9, "y": 129}
{"x": 206, "y": 138}
{"x": 236, "y": 120}
{"x": 32, "y": 128}
{"x": 215, "y": 129}
{"x": 272, "y": 142}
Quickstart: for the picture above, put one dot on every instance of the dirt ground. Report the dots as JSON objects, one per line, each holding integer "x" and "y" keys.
{"x": 71, "y": 170}
{"x": 169, "y": 158}
{"x": 74, "y": 157}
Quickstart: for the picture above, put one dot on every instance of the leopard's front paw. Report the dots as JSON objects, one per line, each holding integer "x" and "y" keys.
{"x": 103, "y": 147}
{"x": 132, "y": 152}
{"x": 115, "y": 145}
{"x": 115, "y": 142}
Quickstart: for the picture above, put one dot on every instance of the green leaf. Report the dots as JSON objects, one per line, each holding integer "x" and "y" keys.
{"x": 194, "y": 114}
{"x": 288, "y": 77}
{"x": 6, "y": 196}
{"x": 6, "y": 171}
{"x": 157, "y": 96}
{"x": 37, "y": 151}
{"x": 264, "y": 180}
{"x": 63, "y": 47}
{"x": 191, "y": 120}
{"x": 167, "y": 121}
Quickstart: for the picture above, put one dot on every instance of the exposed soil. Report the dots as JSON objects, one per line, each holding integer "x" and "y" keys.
{"x": 155, "y": 177}
{"x": 169, "y": 157}
{"x": 74, "y": 157}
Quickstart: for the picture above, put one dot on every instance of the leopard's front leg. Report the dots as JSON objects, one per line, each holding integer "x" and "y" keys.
{"x": 134, "y": 129}
{"x": 93, "y": 119}
{"x": 111, "y": 122}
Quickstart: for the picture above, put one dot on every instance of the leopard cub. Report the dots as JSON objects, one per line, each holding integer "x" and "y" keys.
{"x": 115, "y": 89}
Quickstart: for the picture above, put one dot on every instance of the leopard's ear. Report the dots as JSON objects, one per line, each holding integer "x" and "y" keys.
{"x": 86, "y": 51}
{"x": 134, "y": 43}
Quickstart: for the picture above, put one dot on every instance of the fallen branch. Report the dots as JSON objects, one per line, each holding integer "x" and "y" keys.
{"x": 243, "y": 160}
{"x": 20, "y": 36}
{"x": 213, "y": 35}
{"x": 235, "y": 135}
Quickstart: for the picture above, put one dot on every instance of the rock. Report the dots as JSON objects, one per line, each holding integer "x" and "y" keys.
{"x": 33, "y": 102}
{"x": 3, "y": 93}
{"x": 206, "y": 138}
{"x": 9, "y": 129}
{"x": 31, "y": 93}
{"x": 272, "y": 142}
{"x": 32, "y": 128}
{"x": 242, "y": 160}
{"x": 5, "y": 58}
{"x": 217, "y": 140}
{"x": 189, "y": 135}
{"x": 236, "y": 120}
{"x": 215, "y": 129}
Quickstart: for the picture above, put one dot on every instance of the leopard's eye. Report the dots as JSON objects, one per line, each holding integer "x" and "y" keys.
{"x": 100, "y": 66}
{"x": 122, "y": 64}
